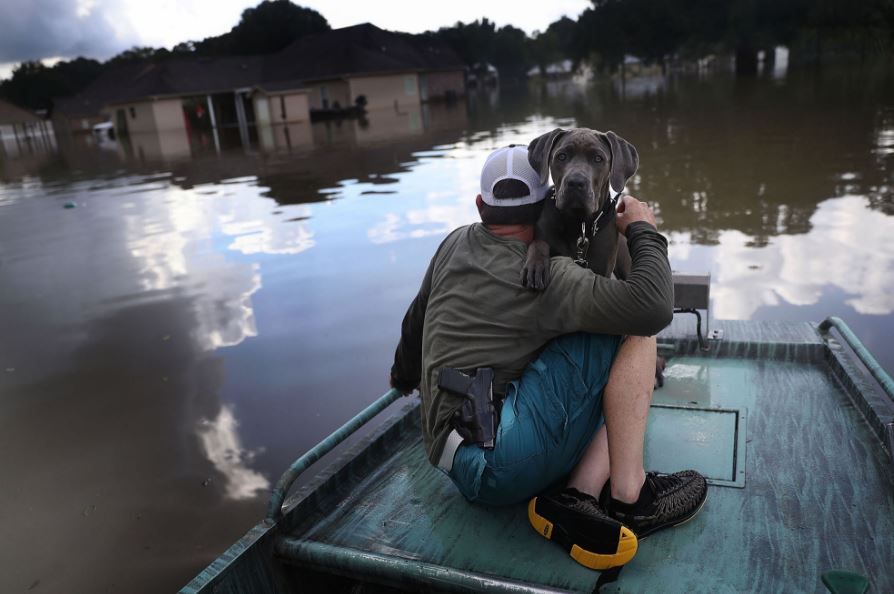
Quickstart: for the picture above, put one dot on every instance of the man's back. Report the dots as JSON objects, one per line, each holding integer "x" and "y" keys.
{"x": 479, "y": 315}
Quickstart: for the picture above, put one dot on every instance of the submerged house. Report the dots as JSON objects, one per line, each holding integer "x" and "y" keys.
{"x": 175, "y": 106}
{"x": 365, "y": 65}
{"x": 22, "y": 131}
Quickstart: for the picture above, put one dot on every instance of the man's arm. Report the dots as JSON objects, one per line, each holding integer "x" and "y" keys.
{"x": 642, "y": 305}
{"x": 406, "y": 372}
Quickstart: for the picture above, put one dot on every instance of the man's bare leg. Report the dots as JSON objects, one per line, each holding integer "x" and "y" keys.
{"x": 617, "y": 448}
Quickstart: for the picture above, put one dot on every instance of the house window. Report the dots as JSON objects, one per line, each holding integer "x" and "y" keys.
{"x": 282, "y": 106}
{"x": 410, "y": 85}
{"x": 133, "y": 113}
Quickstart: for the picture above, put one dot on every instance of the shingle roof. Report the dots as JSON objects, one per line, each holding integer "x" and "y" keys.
{"x": 11, "y": 114}
{"x": 175, "y": 76}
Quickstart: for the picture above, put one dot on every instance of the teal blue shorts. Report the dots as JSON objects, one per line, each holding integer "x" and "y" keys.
{"x": 549, "y": 417}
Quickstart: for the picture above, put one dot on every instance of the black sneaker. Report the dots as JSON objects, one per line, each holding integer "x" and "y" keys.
{"x": 666, "y": 500}
{"x": 578, "y": 523}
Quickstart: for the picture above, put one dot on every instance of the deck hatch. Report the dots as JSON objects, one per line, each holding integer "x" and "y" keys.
{"x": 709, "y": 440}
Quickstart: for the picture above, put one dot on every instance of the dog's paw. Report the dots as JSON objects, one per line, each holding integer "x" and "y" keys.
{"x": 535, "y": 274}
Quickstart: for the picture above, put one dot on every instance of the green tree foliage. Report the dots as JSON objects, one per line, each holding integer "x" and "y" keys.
{"x": 268, "y": 27}
{"x": 554, "y": 44}
{"x": 657, "y": 29}
{"x": 32, "y": 84}
{"x": 480, "y": 42}
{"x": 139, "y": 54}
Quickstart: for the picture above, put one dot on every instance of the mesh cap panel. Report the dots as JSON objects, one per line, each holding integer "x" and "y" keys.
{"x": 511, "y": 162}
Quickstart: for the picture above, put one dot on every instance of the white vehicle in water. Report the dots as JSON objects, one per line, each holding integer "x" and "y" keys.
{"x": 104, "y": 131}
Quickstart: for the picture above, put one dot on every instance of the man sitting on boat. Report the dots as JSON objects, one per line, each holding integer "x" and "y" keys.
{"x": 572, "y": 374}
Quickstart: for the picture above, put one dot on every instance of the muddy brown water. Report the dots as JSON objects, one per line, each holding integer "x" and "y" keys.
{"x": 198, "y": 320}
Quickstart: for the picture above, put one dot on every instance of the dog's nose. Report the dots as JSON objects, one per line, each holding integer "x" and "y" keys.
{"x": 577, "y": 183}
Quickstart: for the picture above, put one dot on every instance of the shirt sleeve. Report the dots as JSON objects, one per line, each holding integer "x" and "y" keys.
{"x": 406, "y": 372}
{"x": 580, "y": 300}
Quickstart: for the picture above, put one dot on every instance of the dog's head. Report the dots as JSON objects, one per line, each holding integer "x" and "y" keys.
{"x": 585, "y": 164}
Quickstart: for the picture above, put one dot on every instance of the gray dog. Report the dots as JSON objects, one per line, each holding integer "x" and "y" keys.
{"x": 589, "y": 169}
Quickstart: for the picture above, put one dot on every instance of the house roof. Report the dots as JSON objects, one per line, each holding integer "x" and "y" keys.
{"x": 361, "y": 49}
{"x": 11, "y": 114}
{"x": 172, "y": 77}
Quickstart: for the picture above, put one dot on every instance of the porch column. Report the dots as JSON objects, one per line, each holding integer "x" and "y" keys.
{"x": 243, "y": 121}
{"x": 213, "y": 123}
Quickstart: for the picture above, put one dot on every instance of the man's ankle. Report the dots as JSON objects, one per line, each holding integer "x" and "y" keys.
{"x": 628, "y": 490}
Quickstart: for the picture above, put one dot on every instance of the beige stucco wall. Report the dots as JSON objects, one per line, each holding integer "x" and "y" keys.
{"x": 386, "y": 91}
{"x": 168, "y": 114}
{"x": 140, "y": 117}
{"x": 296, "y": 106}
{"x": 440, "y": 83}
{"x": 151, "y": 116}
{"x": 336, "y": 90}
{"x": 160, "y": 145}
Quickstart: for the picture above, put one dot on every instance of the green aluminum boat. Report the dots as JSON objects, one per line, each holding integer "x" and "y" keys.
{"x": 793, "y": 423}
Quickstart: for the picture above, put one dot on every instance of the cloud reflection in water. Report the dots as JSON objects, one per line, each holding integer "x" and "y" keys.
{"x": 223, "y": 447}
{"x": 848, "y": 247}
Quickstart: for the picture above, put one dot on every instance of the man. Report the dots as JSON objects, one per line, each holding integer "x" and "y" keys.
{"x": 575, "y": 394}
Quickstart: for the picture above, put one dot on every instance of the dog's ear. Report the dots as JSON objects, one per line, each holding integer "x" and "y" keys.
{"x": 625, "y": 161}
{"x": 540, "y": 150}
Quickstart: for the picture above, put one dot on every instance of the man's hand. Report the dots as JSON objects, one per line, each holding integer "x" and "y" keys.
{"x": 402, "y": 386}
{"x": 631, "y": 210}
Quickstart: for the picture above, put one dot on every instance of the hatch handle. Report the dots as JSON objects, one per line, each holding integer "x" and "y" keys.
{"x": 274, "y": 508}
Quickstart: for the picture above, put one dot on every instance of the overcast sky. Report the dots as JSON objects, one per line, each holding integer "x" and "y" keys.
{"x": 54, "y": 29}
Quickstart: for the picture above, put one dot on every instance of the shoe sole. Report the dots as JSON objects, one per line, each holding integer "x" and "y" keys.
{"x": 678, "y": 523}
{"x": 627, "y": 543}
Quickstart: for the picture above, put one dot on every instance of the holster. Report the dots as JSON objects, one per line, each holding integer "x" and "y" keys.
{"x": 476, "y": 419}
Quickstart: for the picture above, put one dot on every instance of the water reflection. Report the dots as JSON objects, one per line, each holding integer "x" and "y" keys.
{"x": 847, "y": 248}
{"x": 224, "y": 449}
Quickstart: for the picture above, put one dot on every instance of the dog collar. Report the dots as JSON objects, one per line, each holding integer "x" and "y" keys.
{"x": 583, "y": 241}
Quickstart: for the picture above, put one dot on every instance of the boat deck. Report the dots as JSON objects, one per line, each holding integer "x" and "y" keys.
{"x": 801, "y": 485}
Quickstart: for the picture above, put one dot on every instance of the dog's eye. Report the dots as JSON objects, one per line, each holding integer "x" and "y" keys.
{"x": 561, "y": 156}
{"x": 598, "y": 159}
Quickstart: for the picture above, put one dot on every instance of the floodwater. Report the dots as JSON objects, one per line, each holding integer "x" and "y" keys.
{"x": 198, "y": 320}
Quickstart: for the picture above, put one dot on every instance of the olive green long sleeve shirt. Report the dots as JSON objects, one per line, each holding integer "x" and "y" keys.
{"x": 472, "y": 311}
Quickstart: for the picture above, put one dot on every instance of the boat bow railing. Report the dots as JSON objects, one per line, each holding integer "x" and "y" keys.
{"x": 288, "y": 478}
{"x": 880, "y": 375}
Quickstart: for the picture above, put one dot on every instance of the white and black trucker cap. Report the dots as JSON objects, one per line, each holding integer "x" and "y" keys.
{"x": 511, "y": 162}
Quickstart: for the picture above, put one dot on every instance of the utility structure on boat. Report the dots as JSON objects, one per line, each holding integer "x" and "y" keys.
{"x": 793, "y": 427}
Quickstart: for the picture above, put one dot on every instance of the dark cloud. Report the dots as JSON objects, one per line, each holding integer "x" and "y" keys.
{"x": 36, "y": 29}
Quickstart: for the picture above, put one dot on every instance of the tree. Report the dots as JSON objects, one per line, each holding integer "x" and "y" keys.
{"x": 32, "y": 84}
{"x": 554, "y": 44}
{"x": 268, "y": 27}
